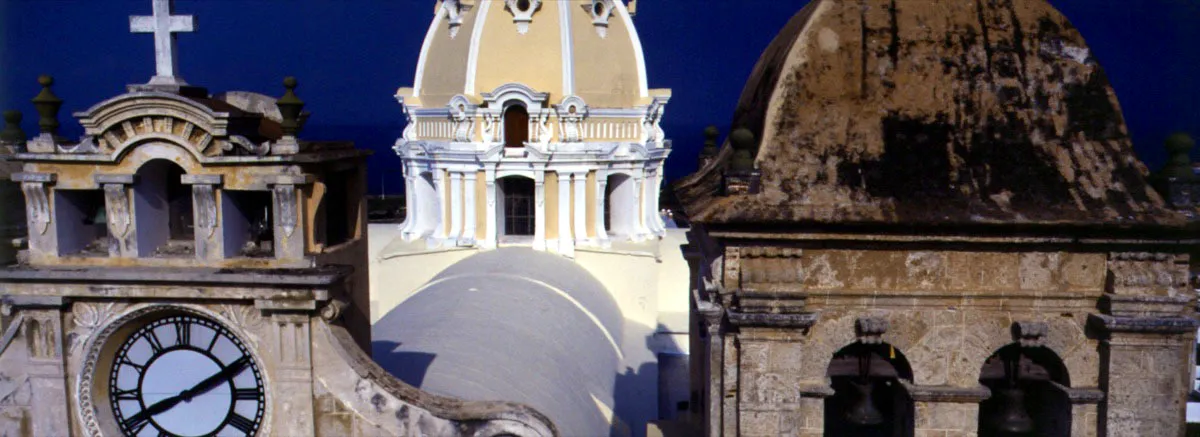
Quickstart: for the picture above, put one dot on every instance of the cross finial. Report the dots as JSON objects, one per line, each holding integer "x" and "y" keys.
{"x": 164, "y": 26}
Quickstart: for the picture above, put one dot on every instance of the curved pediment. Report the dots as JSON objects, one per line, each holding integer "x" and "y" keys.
{"x": 127, "y": 120}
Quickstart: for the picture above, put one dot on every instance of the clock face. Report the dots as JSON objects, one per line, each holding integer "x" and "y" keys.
{"x": 184, "y": 375}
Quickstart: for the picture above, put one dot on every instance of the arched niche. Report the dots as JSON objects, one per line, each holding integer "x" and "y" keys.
{"x": 162, "y": 209}
{"x": 1028, "y": 387}
{"x": 863, "y": 374}
{"x": 515, "y": 211}
{"x": 621, "y": 205}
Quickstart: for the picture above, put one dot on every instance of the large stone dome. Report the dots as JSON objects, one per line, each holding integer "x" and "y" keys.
{"x": 586, "y": 48}
{"x": 936, "y": 111}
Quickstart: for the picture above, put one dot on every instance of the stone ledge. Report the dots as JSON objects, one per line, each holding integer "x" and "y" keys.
{"x": 1149, "y": 325}
{"x": 1081, "y": 395}
{"x": 116, "y": 178}
{"x": 1144, "y": 306}
{"x": 946, "y": 394}
{"x": 805, "y": 320}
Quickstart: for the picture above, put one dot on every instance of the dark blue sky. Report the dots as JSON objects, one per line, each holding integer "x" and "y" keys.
{"x": 350, "y": 57}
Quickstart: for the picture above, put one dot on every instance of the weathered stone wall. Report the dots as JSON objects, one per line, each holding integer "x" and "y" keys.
{"x": 1118, "y": 321}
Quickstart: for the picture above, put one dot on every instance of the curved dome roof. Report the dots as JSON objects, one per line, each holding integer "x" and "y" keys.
{"x": 587, "y": 48}
{"x": 938, "y": 111}
{"x": 540, "y": 331}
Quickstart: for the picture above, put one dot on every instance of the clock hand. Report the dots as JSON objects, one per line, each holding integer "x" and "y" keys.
{"x": 202, "y": 387}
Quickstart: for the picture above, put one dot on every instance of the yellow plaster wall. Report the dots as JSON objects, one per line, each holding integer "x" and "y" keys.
{"x": 481, "y": 209}
{"x": 533, "y": 59}
{"x": 446, "y": 61}
{"x": 591, "y": 205}
{"x": 551, "y": 197}
{"x": 606, "y": 74}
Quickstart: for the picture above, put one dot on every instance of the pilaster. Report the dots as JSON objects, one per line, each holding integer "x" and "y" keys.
{"x": 566, "y": 243}
{"x": 639, "y": 189}
{"x": 291, "y": 385}
{"x": 210, "y": 241}
{"x": 539, "y": 220}
{"x": 439, "y": 230}
{"x": 467, "y": 238}
{"x": 118, "y": 208}
{"x": 289, "y": 229}
{"x": 601, "y": 229}
{"x": 410, "y": 206}
{"x": 456, "y": 207}
{"x": 579, "y": 185}
{"x": 39, "y": 321}
{"x": 490, "y": 233}
{"x": 39, "y": 215}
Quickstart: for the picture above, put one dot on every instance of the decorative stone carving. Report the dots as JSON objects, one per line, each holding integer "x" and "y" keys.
{"x": 37, "y": 199}
{"x": 1030, "y": 334}
{"x": 463, "y": 120}
{"x": 455, "y": 10}
{"x": 571, "y": 113}
{"x": 410, "y": 127}
{"x": 543, "y": 129}
{"x": 117, "y": 209}
{"x": 651, "y": 130}
{"x": 601, "y": 11}
{"x": 491, "y": 124}
{"x": 522, "y": 11}
{"x": 870, "y": 330}
{"x": 88, "y": 317}
{"x": 285, "y": 208}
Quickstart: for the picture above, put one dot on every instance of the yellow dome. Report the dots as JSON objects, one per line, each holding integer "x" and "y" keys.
{"x": 586, "y": 48}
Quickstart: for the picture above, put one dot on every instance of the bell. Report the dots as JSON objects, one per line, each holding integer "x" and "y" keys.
{"x": 1013, "y": 418}
{"x": 862, "y": 411}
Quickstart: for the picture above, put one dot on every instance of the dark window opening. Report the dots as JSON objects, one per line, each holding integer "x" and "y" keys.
{"x": 869, "y": 399}
{"x": 1027, "y": 395}
{"x": 82, "y": 222}
{"x": 516, "y": 126}
{"x": 249, "y": 224}
{"x": 163, "y": 211}
{"x": 341, "y": 206}
{"x": 518, "y": 210}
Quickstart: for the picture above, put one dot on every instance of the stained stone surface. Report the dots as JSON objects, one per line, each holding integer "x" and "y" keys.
{"x": 887, "y": 111}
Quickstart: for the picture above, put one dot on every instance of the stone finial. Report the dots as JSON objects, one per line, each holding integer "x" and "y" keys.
{"x": 741, "y": 177}
{"x": 1179, "y": 161}
{"x": 1030, "y": 334}
{"x": 290, "y": 107}
{"x": 12, "y": 135}
{"x": 47, "y": 105}
{"x": 709, "y": 152}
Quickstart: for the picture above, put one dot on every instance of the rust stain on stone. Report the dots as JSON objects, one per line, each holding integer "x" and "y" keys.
{"x": 881, "y": 111}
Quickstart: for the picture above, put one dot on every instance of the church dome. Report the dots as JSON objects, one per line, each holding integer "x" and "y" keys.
{"x": 930, "y": 112}
{"x": 586, "y": 48}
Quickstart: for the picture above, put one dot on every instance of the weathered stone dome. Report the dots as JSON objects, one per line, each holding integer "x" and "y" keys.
{"x": 933, "y": 112}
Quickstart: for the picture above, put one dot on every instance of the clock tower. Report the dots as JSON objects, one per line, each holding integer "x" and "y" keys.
{"x": 193, "y": 267}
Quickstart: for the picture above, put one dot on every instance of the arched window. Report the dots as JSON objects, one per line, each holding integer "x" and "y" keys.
{"x": 868, "y": 399}
{"x": 1027, "y": 393}
{"x": 516, "y": 126}
{"x": 163, "y": 210}
{"x": 515, "y": 201}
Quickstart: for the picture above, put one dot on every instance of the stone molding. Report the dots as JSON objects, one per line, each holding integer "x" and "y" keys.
{"x": 805, "y": 320}
{"x": 1143, "y": 325}
{"x": 870, "y": 330}
{"x": 946, "y": 394}
{"x": 1144, "y": 306}
{"x": 1081, "y": 395}
{"x": 1030, "y": 334}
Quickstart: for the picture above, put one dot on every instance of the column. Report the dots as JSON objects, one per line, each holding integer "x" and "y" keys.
{"x": 580, "y": 186}
{"x": 439, "y": 230}
{"x": 639, "y": 216}
{"x": 539, "y": 220}
{"x": 601, "y": 200}
{"x": 410, "y": 206}
{"x": 208, "y": 237}
{"x": 566, "y": 242}
{"x": 467, "y": 238}
{"x": 119, "y": 213}
{"x": 455, "y": 207}
{"x": 653, "y": 218}
{"x": 490, "y": 233}
{"x": 289, "y": 228}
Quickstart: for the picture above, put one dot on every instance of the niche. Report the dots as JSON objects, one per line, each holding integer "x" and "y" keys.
{"x": 81, "y": 222}
{"x": 163, "y": 211}
{"x": 249, "y": 224}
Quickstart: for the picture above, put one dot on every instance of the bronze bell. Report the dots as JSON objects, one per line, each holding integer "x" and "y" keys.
{"x": 1013, "y": 418}
{"x": 862, "y": 411}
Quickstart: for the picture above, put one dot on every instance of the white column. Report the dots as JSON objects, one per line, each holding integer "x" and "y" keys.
{"x": 467, "y": 238}
{"x": 653, "y": 219}
{"x": 489, "y": 239}
{"x": 539, "y": 219}
{"x": 566, "y": 245}
{"x": 580, "y": 186}
{"x": 639, "y": 216}
{"x": 410, "y": 204}
{"x": 456, "y": 207}
{"x": 601, "y": 231}
{"x": 439, "y": 231}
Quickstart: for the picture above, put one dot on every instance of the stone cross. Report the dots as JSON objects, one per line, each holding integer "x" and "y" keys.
{"x": 164, "y": 26}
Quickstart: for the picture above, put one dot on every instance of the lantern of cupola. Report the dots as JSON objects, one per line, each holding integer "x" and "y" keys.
{"x": 531, "y": 123}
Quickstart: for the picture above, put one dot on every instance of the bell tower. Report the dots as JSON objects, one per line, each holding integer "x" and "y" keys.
{"x": 194, "y": 267}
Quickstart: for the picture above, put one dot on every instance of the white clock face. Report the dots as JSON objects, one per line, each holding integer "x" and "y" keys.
{"x": 184, "y": 375}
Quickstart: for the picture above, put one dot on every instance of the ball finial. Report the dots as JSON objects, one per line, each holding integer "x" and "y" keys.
{"x": 13, "y": 117}
{"x": 290, "y": 82}
{"x": 711, "y": 132}
{"x": 742, "y": 139}
{"x": 1180, "y": 142}
{"x": 45, "y": 80}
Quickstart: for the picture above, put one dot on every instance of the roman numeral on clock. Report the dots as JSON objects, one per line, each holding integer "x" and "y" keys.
{"x": 241, "y": 423}
{"x": 247, "y": 394}
{"x": 136, "y": 423}
{"x": 128, "y": 395}
{"x": 183, "y": 332}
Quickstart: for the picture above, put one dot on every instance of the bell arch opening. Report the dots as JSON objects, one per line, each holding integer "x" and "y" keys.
{"x": 516, "y": 125}
{"x": 1028, "y": 393}
{"x": 869, "y": 399}
{"x": 515, "y": 213}
{"x": 163, "y": 210}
